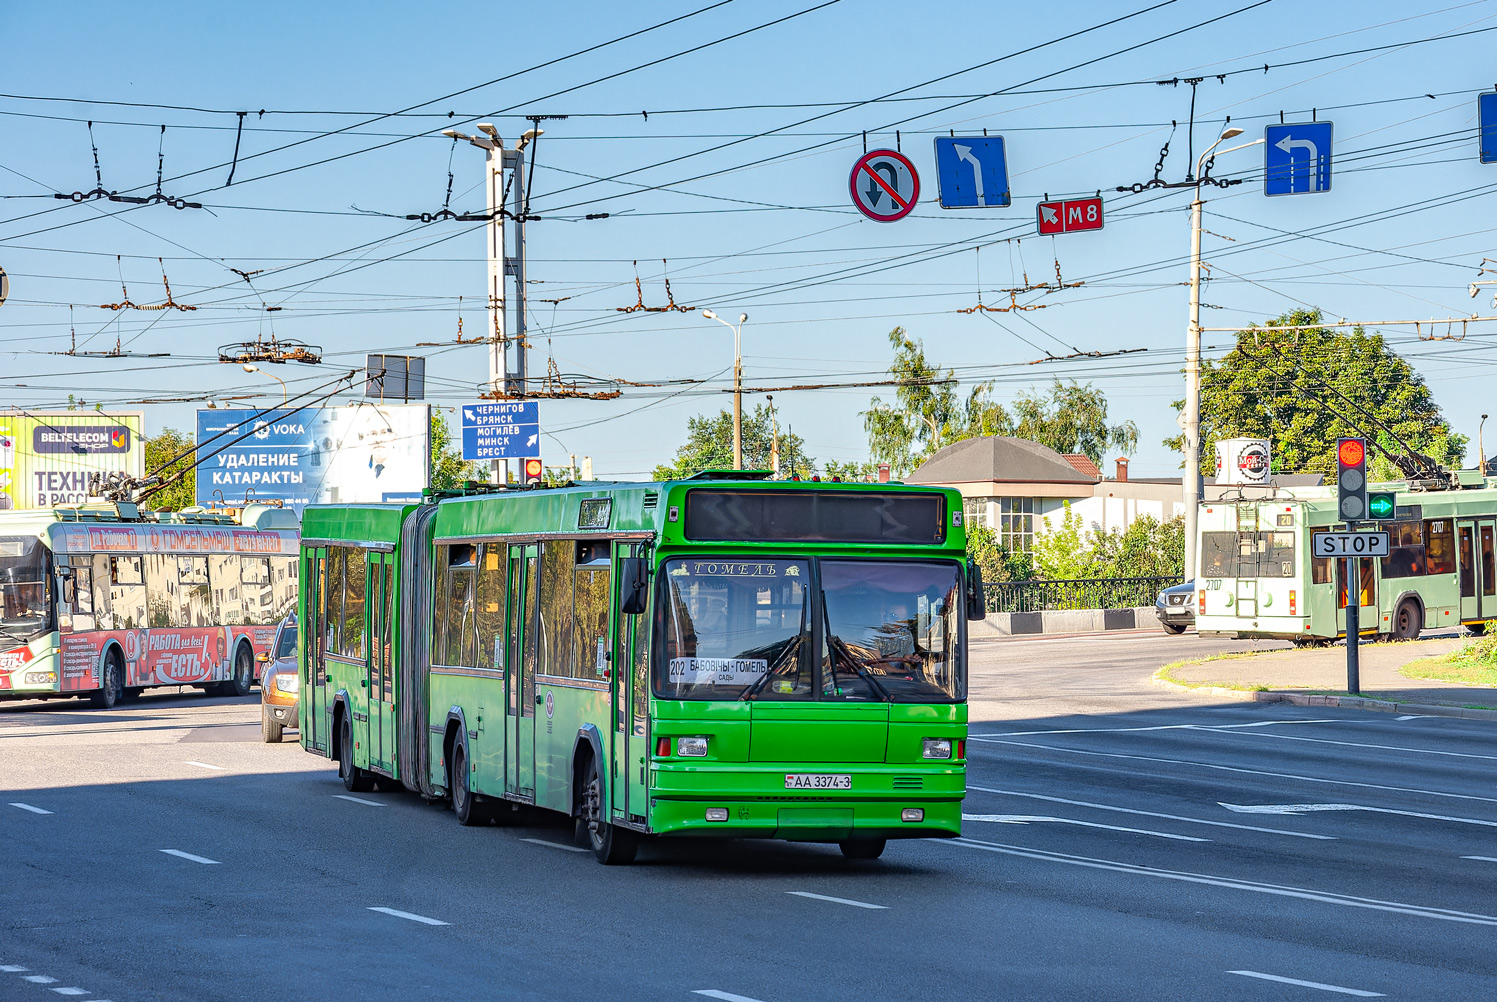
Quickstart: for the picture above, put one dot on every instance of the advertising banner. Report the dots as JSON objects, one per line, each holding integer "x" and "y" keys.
{"x": 47, "y": 458}
{"x": 364, "y": 452}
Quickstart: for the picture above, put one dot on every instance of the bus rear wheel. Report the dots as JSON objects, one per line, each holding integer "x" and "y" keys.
{"x": 1406, "y": 621}
{"x": 863, "y": 848}
{"x": 611, "y": 844}
{"x": 111, "y": 684}
{"x": 355, "y": 780}
{"x": 466, "y": 805}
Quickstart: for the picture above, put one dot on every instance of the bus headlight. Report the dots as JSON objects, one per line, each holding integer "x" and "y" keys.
{"x": 912, "y": 814}
{"x": 935, "y": 748}
{"x": 41, "y": 678}
{"x": 694, "y": 747}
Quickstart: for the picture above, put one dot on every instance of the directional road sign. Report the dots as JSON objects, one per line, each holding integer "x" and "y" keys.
{"x": 1069, "y": 216}
{"x": 1486, "y": 113}
{"x": 1350, "y": 544}
{"x": 1297, "y": 158}
{"x": 505, "y": 429}
{"x": 884, "y": 185}
{"x": 972, "y": 172}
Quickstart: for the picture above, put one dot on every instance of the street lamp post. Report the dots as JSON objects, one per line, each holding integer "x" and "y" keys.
{"x": 255, "y": 368}
{"x": 1481, "y": 447}
{"x": 737, "y": 382}
{"x": 1190, "y": 479}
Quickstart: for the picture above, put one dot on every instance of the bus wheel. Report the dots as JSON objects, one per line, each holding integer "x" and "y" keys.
{"x": 1477, "y": 629}
{"x": 611, "y": 844}
{"x": 112, "y": 685}
{"x": 1406, "y": 621}
{"x": 863, "y": 848}
{"x": 355, "y": 780}
{"x": 238, "y": 684}
{"x": 465, "y": 803}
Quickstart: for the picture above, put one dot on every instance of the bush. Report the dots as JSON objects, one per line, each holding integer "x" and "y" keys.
{"x": 1481, "y": 652}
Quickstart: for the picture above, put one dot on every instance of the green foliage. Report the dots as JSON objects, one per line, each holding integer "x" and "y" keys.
{"x": 996, "y": 561}
{"x": 161, "y": 448}
{"x": 1147, "y": 548}
{"x": 1255, "y": 391}
{"x": 928, "y": 414}
{"x": 1062, "y": 551}
{"x": 850, "y": 471}
{"x": 1481, "y": 652}
{"x": 448, "y": 468}
{"x": 709, "y": 446}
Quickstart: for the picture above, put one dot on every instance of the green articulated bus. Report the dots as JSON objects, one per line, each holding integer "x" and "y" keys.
{"x": 721, "y": 656}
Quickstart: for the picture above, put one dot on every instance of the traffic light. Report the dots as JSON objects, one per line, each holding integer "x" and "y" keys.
{"x": 533, "y": 471}
{"x": 1351, "y": 478}
{"x": 1382, "y": 506}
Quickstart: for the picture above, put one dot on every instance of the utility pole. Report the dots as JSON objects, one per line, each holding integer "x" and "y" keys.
{"x": 737, "y": 382}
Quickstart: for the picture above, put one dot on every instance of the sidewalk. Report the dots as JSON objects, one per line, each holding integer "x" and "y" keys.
{"x": 1317, "y": 676}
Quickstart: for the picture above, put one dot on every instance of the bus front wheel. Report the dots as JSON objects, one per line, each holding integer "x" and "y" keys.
{"x": 611, "y": 844}
{"x": 465, "y": 803}
{"x": 863, "y": 848}
{"x": 1406, "y": 622}
{"x": 111, "y": 685}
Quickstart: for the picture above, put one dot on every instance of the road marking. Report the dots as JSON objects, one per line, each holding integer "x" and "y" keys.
{"x": 71, "y": 991}
{"x": 1150, "y": 814}
{"x": 1411, "y": 716}
{"x": 187, "y": 855}
{"x": 1239, "y": 770}
{"x": 411, "y": 916}
{"x": 1156, "y": 727}
{"x": 838, "y": 901}
{"x": 1484, "y": 859}
{"x": 1024, "y": 819}
{"x": 1296, "y": 809}
{"x": 1359, "y": 744}
{"x": 1308, "y": 984}
{"x": 357, "y": 800}
{"x": 1232, "y": 883}
{"x": 713, "y": 993}
{"x": 33, "y": 810}
{"x": 12, "y": 968}
{"x": 39, "y": 979}
{"x": 204, "y": 765}
{"x": 555, "y": 845}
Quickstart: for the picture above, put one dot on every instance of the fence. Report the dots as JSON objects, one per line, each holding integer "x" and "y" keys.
{"x": 1079, "y": 593}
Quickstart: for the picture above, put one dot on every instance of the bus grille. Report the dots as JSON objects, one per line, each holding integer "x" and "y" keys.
{"x": 907, "y": 782}
{"x": 651, "y": 500}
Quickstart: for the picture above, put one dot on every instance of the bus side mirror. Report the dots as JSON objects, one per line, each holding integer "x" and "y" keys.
{"x": 69, "y": 589}
{"x": 977, "y": 603}
{"x": 634, "y": 576}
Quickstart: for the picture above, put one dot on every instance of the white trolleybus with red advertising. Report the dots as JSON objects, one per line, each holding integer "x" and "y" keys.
{"x": 103, "y": 601}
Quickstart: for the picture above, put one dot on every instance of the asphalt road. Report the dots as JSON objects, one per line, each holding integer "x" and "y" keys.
{"x": 1098, "y": 862}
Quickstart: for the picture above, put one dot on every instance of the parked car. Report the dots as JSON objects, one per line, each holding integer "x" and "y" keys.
{"x": 1175, "y": 609}
{"x": 279, "y": 686}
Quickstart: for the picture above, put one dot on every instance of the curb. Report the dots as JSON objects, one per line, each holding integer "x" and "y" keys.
{"x": 1344, "y": 702}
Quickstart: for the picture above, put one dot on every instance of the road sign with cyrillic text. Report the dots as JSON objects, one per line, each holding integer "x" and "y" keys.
{"x": 1069, "y": 216}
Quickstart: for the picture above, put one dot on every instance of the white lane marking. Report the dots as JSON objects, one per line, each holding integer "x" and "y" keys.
{"x": 713, "y": 993}
{"x": 1156, "y": 727}
{"x": 187, "y": 855}
{"x": 1411, "y": 716}
{"x": 1484, "y": 859}
{"x": 1308, "y": 984}
{"x": 357, "y": 800}
{"x": 1232, "y": 883}
{"x": 39, "y": 979}
{"x": 204, "y": 765}
{"x": 71, "y": 991}
{"x": 1294, "y": 809}
{"x": 555, "y": 845}
{"x": 1150, "y": 814}
{"x": 1024, "y": 819}
{"x": 838, "y": 901}
{"x": 1361, "y": 744}
{"x": 410, "y": 916}
{"x": 1240, "y": 770}
{"x": 12, "y": 968}
{"x": 33, "y": 810}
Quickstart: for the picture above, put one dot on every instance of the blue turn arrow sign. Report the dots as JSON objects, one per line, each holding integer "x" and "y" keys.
{"x": 972, "y": 172}
{"x": 1297, "y": 158}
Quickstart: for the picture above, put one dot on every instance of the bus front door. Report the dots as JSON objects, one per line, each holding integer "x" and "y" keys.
{"x": 1476, "y": 550}
{"x": 314, "y": 642}
{"x": 627, "y": 746}
{"x": 381, "y": 678}
{"x": 519, "y": 677}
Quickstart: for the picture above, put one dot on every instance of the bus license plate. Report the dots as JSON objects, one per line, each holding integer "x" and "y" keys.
{"x": 817, "y": 781}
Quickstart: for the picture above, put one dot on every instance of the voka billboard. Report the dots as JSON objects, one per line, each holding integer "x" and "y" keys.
{"x": 47, "y": 458}
{"x": 367, "y": 451}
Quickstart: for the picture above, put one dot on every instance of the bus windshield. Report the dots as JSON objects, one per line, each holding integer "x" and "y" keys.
{"x": 742, "y": 629}
{"x": 23, "y": 589}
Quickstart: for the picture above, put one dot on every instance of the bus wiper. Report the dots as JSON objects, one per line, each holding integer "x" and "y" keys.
{"x": 758, "y": 683}
{"x": 838, "y": 644}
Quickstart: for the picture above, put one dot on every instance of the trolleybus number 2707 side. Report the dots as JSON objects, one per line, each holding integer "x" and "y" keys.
{"x": 817, "y": 781}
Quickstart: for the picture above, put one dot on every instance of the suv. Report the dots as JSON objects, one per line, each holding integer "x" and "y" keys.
{"x": 1175, "y": 609}
{"x": 279, "y": 686}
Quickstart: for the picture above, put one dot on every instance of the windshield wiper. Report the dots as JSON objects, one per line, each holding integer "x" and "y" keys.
{"x": 758, "y": 683}
{"x": 836, "y": 644}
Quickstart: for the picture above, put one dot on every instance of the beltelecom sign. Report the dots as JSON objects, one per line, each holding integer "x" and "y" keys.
{"x": 1070, "y": 216}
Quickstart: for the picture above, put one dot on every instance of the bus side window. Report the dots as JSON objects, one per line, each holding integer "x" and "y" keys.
{"x": 161, "y": 588}
{"x": 83, "y": 598}
{"x": 333, "y": 592}
{"x": 103, "y": 606}
{"x": 127, "y": 593}
{"x": 1439, "y": 545}
{"x": 492, "y": 590}
{"x": 1320, "y": 567}
{"x": 354, "y": 622}
{"x": 556, "y": 607}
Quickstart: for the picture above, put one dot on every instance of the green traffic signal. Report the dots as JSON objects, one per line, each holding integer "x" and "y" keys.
{"x": 1381, "y": 505}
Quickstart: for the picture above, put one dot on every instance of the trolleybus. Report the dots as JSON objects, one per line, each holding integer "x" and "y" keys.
{"x": 710, "y": 657}
{"x": 1258, "y": 578}
{"x": 104, "y": 601}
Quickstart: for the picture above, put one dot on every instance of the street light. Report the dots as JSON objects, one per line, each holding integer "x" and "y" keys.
{"x": 1190, "y": 478}
{"x": 255, "y": 368}
{"x": 737, "y": 382}
{"x": 1481, "y": 447}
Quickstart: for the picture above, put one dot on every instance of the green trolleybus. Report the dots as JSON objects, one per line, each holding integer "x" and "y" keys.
{"x": 1258, "y": 576}
{"x": 721, "y": 656}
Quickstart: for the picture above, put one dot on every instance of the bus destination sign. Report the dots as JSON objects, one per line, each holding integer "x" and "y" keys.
{"x": 1351, "y": 544}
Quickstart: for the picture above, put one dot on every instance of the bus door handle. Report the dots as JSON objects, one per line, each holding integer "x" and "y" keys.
{"x": 539, "y": 699}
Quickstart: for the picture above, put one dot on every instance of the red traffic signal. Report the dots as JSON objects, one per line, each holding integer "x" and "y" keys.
{"x": 1351, "y": 478}
{"x": 1351, "y": 452}
{"x": 533, "y": 471}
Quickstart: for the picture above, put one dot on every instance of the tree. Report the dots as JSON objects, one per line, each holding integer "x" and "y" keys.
{"x": 1062, "y": 552}
{"x": 903, "y": 434}
{"x": 160, "y": 449}
{"x": 1288, "y": 387}
{"x": 1147, "y": 548}
{"x": 709, "y": 446}
{"x": 1071, "y": 418}
{"x": 448, "y": 468}
{"x": 996, "y": 561}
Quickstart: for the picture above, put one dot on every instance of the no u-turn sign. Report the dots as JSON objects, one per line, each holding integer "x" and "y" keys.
{"x": 884, "y": 185}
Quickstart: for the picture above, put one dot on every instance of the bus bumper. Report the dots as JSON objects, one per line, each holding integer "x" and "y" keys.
{"x": 758, "y": 806}
{"x": 29, "y": 675}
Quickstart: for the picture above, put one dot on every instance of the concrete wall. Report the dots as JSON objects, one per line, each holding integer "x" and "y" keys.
{"x": 1004, "y": 624}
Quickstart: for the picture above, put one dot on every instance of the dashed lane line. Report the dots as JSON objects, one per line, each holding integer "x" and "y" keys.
{"x": 1363, "y": 744}
{"x": 1231, "y": 883}
{"x": 12, "y": 968}
{"x": 555, "y": 845}
{"x": 1309, "y": 984}
{"x": 40, "y": 979}
{"x": 838, "y": 901}
{"x": 713, "y": 993}
{"x": 71, "y": 991}
{"x": 189, "y": 856}
{"x": 1150, "y": 814}
{"x": 1235, "y": 769}
{"x": 1484, "y": 859}
{"x": 28, "y": 807}
{"x": 1154, "y": 727}
{"x": 1024, "y": 819}
{"x": 1294, "y": 810}
{"x": 408, "y": 916}
{"x": 204, "y": 765}
{"x": 357, "y": 800}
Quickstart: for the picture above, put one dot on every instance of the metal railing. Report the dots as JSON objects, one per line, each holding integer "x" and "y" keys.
{"x": 1078, "y": 593}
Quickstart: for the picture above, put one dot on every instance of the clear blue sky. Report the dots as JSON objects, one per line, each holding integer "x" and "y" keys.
{"x": 822, "y": 286}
